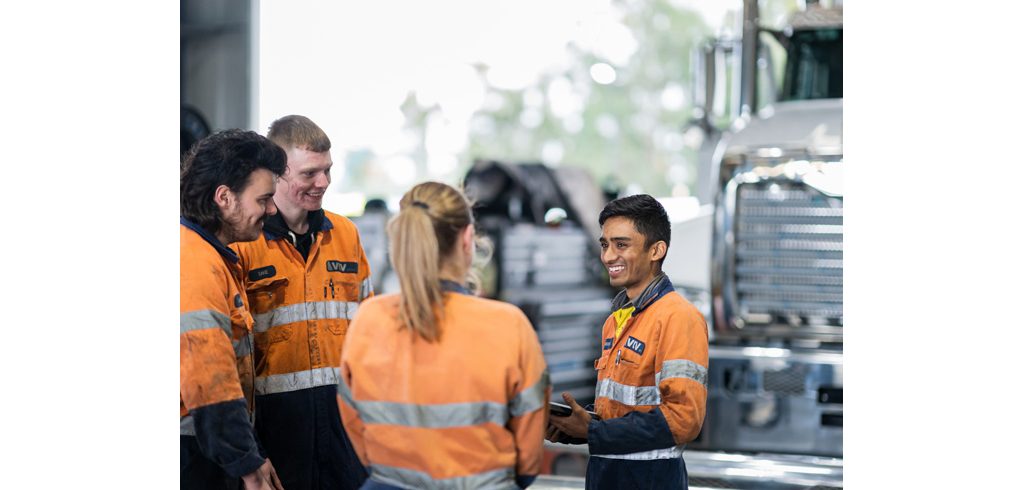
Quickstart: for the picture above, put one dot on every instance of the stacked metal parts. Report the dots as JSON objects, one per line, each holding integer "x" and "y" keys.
{"x": 545, "y": 261}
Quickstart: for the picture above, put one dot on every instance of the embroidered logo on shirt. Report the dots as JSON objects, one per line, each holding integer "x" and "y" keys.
{"x": 607, "y": 343}
{"x": 346, "y": 267}
{"x": 262, "y": 273}
{"x": 635, "y": 345}
{"x": 238, "y": 301}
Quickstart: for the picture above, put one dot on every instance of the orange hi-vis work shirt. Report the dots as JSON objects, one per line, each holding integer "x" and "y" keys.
{"x": 656, "y": 366}
{"x": 216, "y": 376}
{"x": 468, "y": 411}
{"x": 302, "y": 307}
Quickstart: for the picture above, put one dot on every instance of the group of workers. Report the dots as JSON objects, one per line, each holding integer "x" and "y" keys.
{"x": 294, "y": 375}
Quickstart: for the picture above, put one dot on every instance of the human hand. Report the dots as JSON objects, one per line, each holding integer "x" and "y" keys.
{"x": 554, "y": 435}
{"x": 264, "y": 478}
{"x": 572, "y": 426}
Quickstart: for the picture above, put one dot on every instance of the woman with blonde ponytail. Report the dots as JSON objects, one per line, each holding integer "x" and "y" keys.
{"x": 440, "y": 388}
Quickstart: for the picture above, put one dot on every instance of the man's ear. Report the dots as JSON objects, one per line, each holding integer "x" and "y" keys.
{"x": 658, "y": 250}
{"x": 223, "y": 197}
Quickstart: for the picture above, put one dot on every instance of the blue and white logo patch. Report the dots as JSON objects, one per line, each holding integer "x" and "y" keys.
{"x": 346, "y": 267}
{"x": 607, "y": 343}
{"x": 238, "y": 301}
{"x": 635, "y": 345}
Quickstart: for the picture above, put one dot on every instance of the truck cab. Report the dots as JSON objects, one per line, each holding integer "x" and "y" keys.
{"x": 772, "y": 281}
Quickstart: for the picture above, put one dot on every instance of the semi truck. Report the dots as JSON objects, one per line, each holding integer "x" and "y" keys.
{"x": 764, "y": 260}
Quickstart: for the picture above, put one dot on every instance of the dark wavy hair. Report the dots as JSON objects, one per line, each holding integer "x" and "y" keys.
{"x": 225, "y": 158}
{"x": 647, "y": 214}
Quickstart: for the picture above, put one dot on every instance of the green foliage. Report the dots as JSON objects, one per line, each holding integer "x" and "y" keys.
{"x": 627, "y": 136}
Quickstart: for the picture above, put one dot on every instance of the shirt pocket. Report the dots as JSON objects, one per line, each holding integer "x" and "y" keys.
{"x": 601, "y": 362}
{"x": 346, "y": 287}
{"x": 337, "y": 316}
{"x": 266, "y": 294}
{"x": 631, "y": 359}
{"x": 270, "y": 314}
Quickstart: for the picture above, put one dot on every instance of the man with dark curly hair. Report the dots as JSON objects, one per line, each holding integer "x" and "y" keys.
{"x": 227, "y": 184}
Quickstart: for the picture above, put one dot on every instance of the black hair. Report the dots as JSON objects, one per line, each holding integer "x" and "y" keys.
{"x": 225, "y": 158}
{"x": 647, "y": 214}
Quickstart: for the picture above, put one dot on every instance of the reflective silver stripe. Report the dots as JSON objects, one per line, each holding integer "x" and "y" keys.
{"x": 243, "y": 347}
{"x": 203, "y": 319}
{"x": 188, "y": 426}
{"x": 345, "y": 392}
{"x": 313, "y": 310}
{"x": 531, "y": 398}
{"x": 413, "y": 479}
{"x": 437, "y": 416}
{"x": 365, "y": 289}
{"x": 667, "y": 453}
{"x": 628, "y": 395}
{"x": 683, "y": 368}
{"x": 280, "y": 383}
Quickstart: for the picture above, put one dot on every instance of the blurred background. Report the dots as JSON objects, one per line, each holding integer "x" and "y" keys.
{"x": 410, "y": 91}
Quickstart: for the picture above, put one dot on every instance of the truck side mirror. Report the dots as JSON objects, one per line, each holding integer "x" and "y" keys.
{"x": 713, "y": 84}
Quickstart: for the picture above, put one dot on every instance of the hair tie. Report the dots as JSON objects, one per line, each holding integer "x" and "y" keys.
{"x": 421, "y": 204}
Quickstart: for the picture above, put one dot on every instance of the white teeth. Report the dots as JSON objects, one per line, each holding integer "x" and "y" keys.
{"x": 616, "y": 268}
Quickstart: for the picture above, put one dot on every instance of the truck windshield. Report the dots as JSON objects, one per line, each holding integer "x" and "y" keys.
{"x": 814, "y": 65}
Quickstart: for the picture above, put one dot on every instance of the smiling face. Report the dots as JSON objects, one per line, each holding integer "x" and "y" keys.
{"x": 244, "y": 213}
{"x": 303, "y": 185}
{"x": 631, "y": 264}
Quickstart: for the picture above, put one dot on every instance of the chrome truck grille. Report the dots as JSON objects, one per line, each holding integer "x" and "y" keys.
{"x": 783, "y": 259}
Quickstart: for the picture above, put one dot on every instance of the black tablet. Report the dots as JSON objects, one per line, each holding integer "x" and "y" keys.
{"x": 563, "y": 410}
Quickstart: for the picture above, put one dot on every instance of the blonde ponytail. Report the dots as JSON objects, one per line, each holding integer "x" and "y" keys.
{"x": 424, "y": 232}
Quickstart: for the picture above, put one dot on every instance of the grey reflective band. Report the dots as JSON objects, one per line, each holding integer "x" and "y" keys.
{"x": 188, "y": 426}
{"x": 628, "y": 395}
{"x": 242, "y": 347}
{"x": 365, "y": 289}
{"x": 413, "y": 479}
{"x": 531, "y": 398}
{"x": 203, "y": 319}
{"x": 281, "y": 383}
{"x": 439, "y": 416}
{"x": 666, "y": 453}
{"x": 313, "y": 310}
{"x": 345, "y": 392}
{"x": 683, "y": 368}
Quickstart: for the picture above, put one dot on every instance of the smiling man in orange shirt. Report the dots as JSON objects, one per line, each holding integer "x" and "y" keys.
{"x": 652, "y": 373}
{"x": 305, "y": 278}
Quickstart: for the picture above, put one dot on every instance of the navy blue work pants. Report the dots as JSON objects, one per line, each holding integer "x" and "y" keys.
{"x": 618, "y": 474}
{"x": 200, "y": 473}
{"x": 302, "y": 434}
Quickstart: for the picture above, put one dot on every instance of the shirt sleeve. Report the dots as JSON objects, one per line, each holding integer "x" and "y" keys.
{"x": 365, "y": 274}
{"x": 209, "y": 382}
{"x": 350, "y": 418}
{"x": 529, "y": 397}
{"x": 682, "y": 364}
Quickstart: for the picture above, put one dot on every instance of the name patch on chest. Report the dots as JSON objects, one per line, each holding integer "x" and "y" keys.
{"x": 262, "y": 273}
{"x": 635, "y": 345}
{"x": 607, "y": 343}
{"x": 346, "y": 267}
